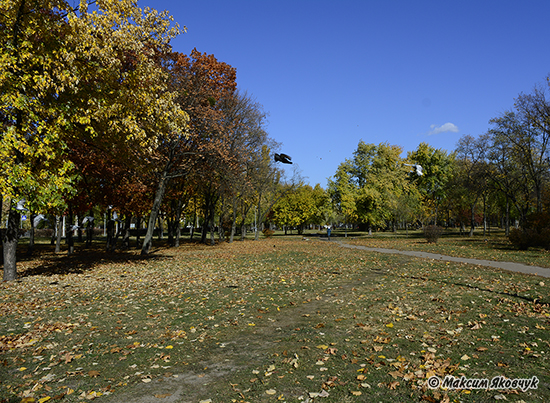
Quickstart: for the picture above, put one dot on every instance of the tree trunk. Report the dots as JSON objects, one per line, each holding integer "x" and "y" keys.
{"x": 126, "y": 236}
{"x": 147, "y": 241}
{"x": 9, "y": 244}
{"x": 484, "y": 216}
{"x": 58, "y": 231}
{"x": 170, "y": 219}
{"x": 138, "y": 230}
{"x": 161, "y": 226}
{"x": 258, "y": 219}
{"x": 90, "y": 230}
{"x": 507, "y": 219}
{"x": 212, "y": 231}
{"x": 233, "y": 220}
{"x": 69, "y": 232}
{"x": 54, "y": 231}
{"x": 31, "y": 238}
{"x": 79, "y": 230}
{"x": 192, "y": 231}
{"x": 472, "y": 219}
{"x": 179, "y": 210}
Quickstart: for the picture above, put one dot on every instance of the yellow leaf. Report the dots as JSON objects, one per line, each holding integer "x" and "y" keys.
{"x": 169, "y": 347}
{"x": 270, "y": 391}
{"x": 322, "y": 346}
{"x": 356, "y": 393}
{"x": 389, "y": 325}
{"x": 44, "y": 399}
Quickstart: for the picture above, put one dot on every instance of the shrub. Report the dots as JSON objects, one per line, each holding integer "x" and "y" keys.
{"x": 432, "y": 233}
{"x": 536, "y": 232}
{"x": 268, "y": 233}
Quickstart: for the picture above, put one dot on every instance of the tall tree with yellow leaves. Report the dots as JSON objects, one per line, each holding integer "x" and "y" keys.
{"x": 67, "y": 73}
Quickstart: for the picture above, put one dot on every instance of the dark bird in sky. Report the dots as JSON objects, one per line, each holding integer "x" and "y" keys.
{"x": 285, "y": 159}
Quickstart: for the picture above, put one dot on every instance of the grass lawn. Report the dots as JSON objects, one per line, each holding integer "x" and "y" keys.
{"x": 281, "y": 319}
{"x": 493, "y": 246}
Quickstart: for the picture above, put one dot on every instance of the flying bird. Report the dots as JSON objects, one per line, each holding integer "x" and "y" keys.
{"x": 285, "y": 159}
{"x": 38, "y": 219}
{"x": 417, "y": 167}
{"x": 89, "y": 219}
{"x": 21, "y": 205}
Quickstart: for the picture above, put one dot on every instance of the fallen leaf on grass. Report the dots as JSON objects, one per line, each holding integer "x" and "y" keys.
{"x": 93, "y": 373}
{"x": 393, "y": 385}
{"x": 270, "y": 391}
{"x": 356, "y": 393}
{"x": 162, "y": 396}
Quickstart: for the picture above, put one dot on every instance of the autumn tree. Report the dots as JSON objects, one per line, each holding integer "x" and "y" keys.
{"x": 35, "y": 70}
{"x": 135, "y": 114}
{"x": 472, "y": 172}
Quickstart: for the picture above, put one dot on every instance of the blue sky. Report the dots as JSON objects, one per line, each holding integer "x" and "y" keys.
{"x": 332, "y": 73}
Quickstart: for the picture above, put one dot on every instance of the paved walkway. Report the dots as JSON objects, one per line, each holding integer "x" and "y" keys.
{"x": 517, "y": 267}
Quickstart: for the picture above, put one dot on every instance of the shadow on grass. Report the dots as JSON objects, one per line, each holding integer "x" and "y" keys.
{"x": 44, "y": 261}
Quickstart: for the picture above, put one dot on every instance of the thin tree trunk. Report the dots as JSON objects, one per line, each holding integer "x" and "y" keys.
{"x": 161, "y": 227}
{"x": 507, "y": 219}
{"x": 126, "y": 236}
{"x": 9, "y": 244}
{"x": 138, "y": 231}
{"x": 69, "y": 232}
{"x": 147, "y": 241}
{"x": 233, "y": 220}
{"x": 59, "y": 229}
{"x": 258, "y": 219}
{"x": 472, "y": 219}
{"x": 179, "y": 209}
{"x": 54, "y": 231}
{"x": 31, "y": 238}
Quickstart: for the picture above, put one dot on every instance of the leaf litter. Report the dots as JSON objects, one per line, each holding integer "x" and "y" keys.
{"x": 328, "y": 324}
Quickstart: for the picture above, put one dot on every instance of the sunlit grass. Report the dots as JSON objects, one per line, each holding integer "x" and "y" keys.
{"x": 282, "y": 319}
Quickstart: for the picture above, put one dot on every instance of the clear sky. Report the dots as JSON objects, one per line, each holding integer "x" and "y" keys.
{"x": 332, "y": 73}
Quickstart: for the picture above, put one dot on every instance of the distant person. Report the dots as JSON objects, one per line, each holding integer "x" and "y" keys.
{"x": 328, "y": 233}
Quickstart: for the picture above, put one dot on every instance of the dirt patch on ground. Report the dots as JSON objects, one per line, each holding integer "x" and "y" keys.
{"x": 249, "y": 349}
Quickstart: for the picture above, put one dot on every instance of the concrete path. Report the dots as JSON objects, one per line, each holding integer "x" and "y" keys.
{"x": 517, "y": 267}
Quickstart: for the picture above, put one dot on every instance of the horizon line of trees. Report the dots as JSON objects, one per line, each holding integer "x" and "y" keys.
{"x": 502, "y": 175}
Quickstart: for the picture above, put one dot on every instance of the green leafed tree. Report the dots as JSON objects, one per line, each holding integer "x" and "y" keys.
{"x": 35, "y": 69}
{"x": 297, "y": 208}
{"x": 437, "y": 170}
{"x": 366, "y": 188}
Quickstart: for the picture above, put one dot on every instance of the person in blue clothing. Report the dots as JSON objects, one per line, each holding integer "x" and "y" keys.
{"x": 328, "y": 233}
